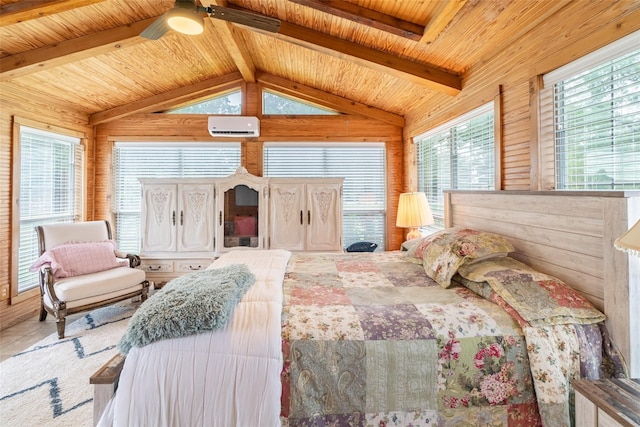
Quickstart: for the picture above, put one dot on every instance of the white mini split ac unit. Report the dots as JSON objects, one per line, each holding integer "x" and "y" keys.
{"x": 236, "y": 126}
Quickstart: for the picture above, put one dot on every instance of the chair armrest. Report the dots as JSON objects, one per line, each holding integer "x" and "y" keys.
{"x": 46, "y": 286}
{"x": 134, "y": 260}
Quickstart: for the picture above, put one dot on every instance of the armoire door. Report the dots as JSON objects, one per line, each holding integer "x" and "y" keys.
{"x": 159, "y": 217}
{"x": 287, "y": 216}
{"x": 195, "y": 217}
{"x": 324, "y": 217}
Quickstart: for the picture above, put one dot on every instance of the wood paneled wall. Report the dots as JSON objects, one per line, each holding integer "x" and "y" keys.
{"x": 44, "y": 114}
{"x": 567, "y": 35}
{"x": 155, "y": 127}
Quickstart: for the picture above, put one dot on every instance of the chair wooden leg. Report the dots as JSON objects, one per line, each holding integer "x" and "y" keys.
{"x": 60, "y": 324}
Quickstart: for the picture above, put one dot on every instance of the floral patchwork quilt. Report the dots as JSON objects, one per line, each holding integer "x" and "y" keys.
{"x": 370, "y": 340}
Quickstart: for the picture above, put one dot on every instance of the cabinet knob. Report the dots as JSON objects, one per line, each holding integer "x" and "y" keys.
{"x": 173, "y": 218}
{"x": 181, "y": 217}
{"x": 301, "y": 218}
{"x": 308, "y": 217}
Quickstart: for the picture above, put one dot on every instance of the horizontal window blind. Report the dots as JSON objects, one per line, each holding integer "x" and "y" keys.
{"x": 363, "y": 166}
{"x": 590, "y": 115}
{"x": 132, "y": 161}
{"x": 458, "y": 155}
{"x": 50, "y": 190}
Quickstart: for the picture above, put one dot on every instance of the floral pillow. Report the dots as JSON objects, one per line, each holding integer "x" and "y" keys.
{"x": 445, "y": 251}
{"x": 540, "y": 299}
{"x": 76, "y": 259}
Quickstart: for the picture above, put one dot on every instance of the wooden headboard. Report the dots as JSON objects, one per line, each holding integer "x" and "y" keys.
{"x": 568, "y": 235}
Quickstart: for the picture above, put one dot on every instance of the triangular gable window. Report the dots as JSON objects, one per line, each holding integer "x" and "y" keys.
{"x": 275, "y": 103}
{"x": 228, "y": 103}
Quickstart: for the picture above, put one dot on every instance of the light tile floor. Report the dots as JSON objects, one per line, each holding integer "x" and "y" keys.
{"x": 18, "y": 337}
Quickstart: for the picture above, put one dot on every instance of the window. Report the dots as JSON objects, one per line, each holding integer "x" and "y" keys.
{"x": 228, "y": 103}
{"x": 275, "y": 103}
{"x": 51, "y": 176}
{"x": 458, "y": 155}
{"x": 160, "y": 160}
{"x": 590, "y": 120}
{"x": 364, "y": 191}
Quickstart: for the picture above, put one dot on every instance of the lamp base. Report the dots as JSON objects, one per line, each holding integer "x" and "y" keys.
{"x": 414, "y": 234}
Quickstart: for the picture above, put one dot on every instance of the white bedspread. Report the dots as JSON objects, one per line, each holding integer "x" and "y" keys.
{"x": 229, "y": 377}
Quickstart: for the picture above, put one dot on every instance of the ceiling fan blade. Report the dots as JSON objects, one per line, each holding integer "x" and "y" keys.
{"x": 157, "y": 29}
{"x": 243, "y": 17}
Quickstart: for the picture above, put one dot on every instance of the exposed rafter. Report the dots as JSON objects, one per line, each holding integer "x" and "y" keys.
{"x": 22, "y": 11}
{"x": 369, "y": 17}
{"x": 168, "y": 99}
{"x": 326, "y": 99}
{"x": 421, "y": 74}
{"x": 442, "y": 18}
{"x": 67, "y": 51}
{"x": 235, "y": 46}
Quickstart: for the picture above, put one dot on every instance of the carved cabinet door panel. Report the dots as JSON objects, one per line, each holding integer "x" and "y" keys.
{"x": 324, "y": 216}
{"x": 287, "y": 216}
{"x": 195, "y": 217}
{"x": 159, "y": 210}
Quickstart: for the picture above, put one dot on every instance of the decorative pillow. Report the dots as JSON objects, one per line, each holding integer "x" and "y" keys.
{"x": 538, "y": 298}
{"x": 76, "y": 259}
{"x": 443, "y": 252}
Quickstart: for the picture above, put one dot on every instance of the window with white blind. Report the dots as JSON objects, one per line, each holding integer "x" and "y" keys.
{"x": 590, "y": 121}
{"x": 160, "y": 160}
{"x": 363, "y": 168}
{"x": 51, "y": 177}
{"x": 458, "y": 155}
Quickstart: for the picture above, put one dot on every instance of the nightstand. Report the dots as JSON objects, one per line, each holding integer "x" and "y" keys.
{"x": 607, "y": 403}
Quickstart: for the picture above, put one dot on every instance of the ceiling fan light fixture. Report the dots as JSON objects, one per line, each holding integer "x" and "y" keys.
{"x": 185, "y": 20}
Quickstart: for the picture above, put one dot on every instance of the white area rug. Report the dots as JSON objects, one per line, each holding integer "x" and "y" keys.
{"x": 48, "y": 384}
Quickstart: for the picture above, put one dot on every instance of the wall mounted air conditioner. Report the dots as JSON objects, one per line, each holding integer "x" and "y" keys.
{"x": 236, "y": 126}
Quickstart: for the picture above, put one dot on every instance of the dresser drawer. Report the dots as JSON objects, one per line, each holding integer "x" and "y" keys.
{"x": 188, "y": 265}
{"x": 157, "y": 266}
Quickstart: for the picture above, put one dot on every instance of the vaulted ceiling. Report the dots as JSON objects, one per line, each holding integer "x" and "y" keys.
{"x": 374, "y": 54}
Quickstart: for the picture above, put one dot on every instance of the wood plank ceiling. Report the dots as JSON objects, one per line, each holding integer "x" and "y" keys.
{"x": 378, "y": 54}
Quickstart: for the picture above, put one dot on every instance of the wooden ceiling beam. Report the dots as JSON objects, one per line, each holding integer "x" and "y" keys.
{"x": 441, "y": 19}
{"x": 235, "y": 46}
{"x": 319, "y": 97}
{"x": 168, "y": 99}
{"x": 421, "y": 74}
{"x": 84, "y": 47}
{"x": 13, "y": 13}
{"x": 368, "y": 17}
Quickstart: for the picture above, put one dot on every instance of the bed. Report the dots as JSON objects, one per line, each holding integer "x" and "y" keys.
{"x": 375, "y": 339}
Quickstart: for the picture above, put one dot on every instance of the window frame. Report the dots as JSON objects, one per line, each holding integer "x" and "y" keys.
{"x": 491, "y": 107}
{"x": 545, "y": 117}
{"x": 79, "y": 201}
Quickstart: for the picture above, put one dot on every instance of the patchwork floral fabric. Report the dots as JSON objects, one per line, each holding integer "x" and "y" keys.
{"x": 539, "y": 298}
{"x": 443, "y": 252}
{"x": 370, "y": 340}
{"x": 565, "y": 335}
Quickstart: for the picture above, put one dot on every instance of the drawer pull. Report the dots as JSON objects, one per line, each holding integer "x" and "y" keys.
{"x": 155, "y": 267}
{"x": 195, "y": 267}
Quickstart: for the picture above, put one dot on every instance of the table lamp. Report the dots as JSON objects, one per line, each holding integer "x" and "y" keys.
{"x": 630, "y": 241}
{"x": 413, "y": 212}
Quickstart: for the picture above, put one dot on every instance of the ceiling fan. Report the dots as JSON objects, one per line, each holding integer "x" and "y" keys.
{"x": 187, "y": 17}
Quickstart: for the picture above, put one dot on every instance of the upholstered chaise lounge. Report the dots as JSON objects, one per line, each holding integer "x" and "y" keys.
{"x": 81, "y": 270}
